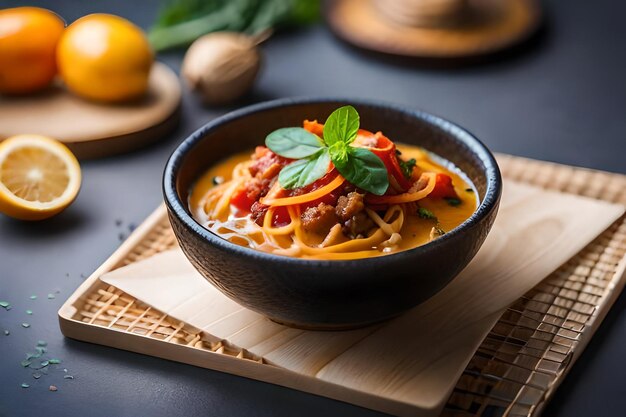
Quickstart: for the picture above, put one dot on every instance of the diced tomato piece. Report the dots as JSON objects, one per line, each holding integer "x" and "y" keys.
{"x": 281, "y": 217}
{"x": 313, "y": 127}
{"x": 443, "y": 187}
{"x": 242, "y": 199}
{"x": 386, "y": 151}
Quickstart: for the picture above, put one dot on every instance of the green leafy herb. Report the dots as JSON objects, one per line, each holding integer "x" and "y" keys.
{"x": 304, "y": 171}
{"x": 365, "y": 170}
{"x": 359, "y": 166}
{"x": 293, "y": 142}
{"x": 407, "y": 167}
{"x": 342, "y": 126}
{"x": 181, "y": 22}
{"x": 54, "y": 361}
{"x": 424, "y": 213}
{"x": 453, "y": 201}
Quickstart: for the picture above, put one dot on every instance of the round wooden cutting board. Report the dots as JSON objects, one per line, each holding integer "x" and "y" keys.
{"x": 93, "y": 130}
{"x": 484, "y": 31}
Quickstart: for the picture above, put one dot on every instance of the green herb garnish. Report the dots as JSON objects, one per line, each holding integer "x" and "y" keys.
{"x": 453, "y": 201}
{"x": 407, "y": 166}
{"x": 359, "y": 166}
{"x": 181, "y": 22}
{"x": 424, "y": 213}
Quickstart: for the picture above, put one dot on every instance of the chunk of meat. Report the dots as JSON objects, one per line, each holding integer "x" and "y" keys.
{"x": 266, "y": 163}
{"x": 358, "y": 225}
{"x": 257, "y": 212}
{"x": 349, "y": 205}
{"x": 319, "y": 219}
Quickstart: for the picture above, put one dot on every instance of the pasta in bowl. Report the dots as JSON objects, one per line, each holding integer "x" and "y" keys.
{"x": 329, "y": 213}
{"x": 291, "y": 198}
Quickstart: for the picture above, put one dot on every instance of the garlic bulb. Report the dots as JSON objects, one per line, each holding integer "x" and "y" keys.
{"x": 221, "y": 66}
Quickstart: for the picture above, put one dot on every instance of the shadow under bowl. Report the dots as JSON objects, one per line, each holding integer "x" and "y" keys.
{"x": 336, "y": 294}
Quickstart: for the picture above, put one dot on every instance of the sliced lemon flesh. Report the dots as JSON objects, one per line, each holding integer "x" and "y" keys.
{"x": 39, "y": 177}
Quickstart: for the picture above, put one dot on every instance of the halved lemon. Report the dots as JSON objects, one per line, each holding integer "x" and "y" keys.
{"x": 39, "y": 177}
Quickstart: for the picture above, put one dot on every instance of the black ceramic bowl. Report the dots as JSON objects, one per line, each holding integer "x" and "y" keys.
{"x": 329, "y": 294}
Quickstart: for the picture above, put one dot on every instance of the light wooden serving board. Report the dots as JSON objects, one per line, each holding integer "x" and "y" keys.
{"x": 93, "y": 129}
{"x": 492, "y": 26}
{"x": 407, "y": 366}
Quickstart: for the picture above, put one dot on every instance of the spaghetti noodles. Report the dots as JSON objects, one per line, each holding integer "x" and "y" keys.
{"x": 332, "y": 218}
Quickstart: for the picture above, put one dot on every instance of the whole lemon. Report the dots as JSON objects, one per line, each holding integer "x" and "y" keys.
{"x": 105, "y": 58}
{"x": 28, "y": 41}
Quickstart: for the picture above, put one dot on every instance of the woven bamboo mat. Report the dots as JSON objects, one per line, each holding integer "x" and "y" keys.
{"x": 520, "y": 363}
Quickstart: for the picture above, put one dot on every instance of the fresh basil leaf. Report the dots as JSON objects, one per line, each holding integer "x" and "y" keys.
{"x": 365, "y": 170}
{"x": 304, "y": 171}
{"x": 339, "y": 153}
{"x": 341, "y": 126}
{"x": 293, "y": 142}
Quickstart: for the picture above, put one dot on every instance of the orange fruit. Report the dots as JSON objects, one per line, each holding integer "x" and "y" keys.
{"x": 28, "y": 40}
{"x": 39, "y": 177}
{"x": 105, "y": 58}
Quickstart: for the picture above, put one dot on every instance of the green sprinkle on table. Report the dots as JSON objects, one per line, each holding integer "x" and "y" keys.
{"x": 25, "y": 325}
{"x": 54, "y": 361}
{"x": 25, "y": 385}
{"x": 5, "y": 304}
{"x": 29, "y": 312}
{"x": 33, "y": 297}
{"x": 6, "y": 332}
{"x": 51, "y": 296}
{"x": 42, "y": 343}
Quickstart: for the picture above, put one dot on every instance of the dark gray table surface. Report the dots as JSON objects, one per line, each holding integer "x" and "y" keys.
{"x": 562, "y": 100}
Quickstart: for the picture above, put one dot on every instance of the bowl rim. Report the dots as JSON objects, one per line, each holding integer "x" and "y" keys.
{"x": 178, "y": 208}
